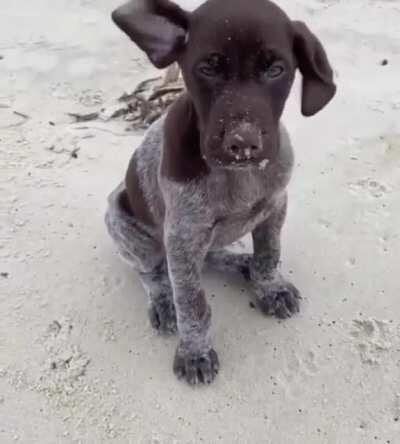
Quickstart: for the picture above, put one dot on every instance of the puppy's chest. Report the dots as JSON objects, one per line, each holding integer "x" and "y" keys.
{"x": 237, "y": 207}
{"x": 235, "y": 196}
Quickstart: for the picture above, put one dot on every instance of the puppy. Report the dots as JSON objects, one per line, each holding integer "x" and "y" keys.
{"x": 217, "y": 165}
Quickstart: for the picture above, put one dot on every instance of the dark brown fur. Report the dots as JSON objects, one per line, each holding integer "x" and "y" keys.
{"x": 135, "y": 196}
{"x": 182, "y": 156}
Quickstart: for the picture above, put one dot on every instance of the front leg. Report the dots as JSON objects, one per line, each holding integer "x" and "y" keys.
{"x": 195, "y": 359}
{"x": 276, "y": 295}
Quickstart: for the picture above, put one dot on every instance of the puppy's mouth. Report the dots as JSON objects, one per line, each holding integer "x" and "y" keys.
{"x": 236, "y": 164}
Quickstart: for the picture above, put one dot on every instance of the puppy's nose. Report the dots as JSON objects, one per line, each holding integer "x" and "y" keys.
{"x": 243, "y": 143}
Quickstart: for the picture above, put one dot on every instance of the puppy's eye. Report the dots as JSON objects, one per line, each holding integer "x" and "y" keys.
{"x": 271, "y": 69}
{"x": 274, "y": 71}
{"x": 212, "y": 65}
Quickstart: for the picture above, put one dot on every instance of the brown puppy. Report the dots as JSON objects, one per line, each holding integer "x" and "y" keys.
{"x": 218, "y": 165}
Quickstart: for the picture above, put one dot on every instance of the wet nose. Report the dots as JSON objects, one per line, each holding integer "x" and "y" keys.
{"x": 243, "y": 143}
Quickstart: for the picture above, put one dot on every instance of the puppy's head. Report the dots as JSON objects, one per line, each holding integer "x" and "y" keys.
{"x": 238, "y": 59}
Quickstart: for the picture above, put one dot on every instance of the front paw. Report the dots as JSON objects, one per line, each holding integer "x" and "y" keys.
{"x": 196, "y": 368}
{"x": 278, "y": 297}
{"x": 163, "y": 317}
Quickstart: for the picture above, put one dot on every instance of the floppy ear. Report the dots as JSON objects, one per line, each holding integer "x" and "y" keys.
{"x": 158, "y": 27}
{"x": 318, "y": 87}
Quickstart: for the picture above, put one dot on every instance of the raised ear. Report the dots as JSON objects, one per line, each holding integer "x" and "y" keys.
{"x": 158, "y": 27}
{"x": 317, "y": 88}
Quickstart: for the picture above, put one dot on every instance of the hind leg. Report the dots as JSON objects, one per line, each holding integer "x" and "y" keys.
{"x": 225, "y": 261}
{"x": 139, "y": 246}
{"x": 161, "y": 311}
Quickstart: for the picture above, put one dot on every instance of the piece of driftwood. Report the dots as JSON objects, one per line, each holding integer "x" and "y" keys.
{"x": 149, "y": 100}
{"x": 152, "y": 97}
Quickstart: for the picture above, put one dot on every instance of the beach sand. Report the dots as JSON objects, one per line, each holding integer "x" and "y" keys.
{"x": 79, "y": 362}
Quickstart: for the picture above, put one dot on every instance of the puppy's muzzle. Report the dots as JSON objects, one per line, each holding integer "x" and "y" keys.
{"x": 243, "y": 143}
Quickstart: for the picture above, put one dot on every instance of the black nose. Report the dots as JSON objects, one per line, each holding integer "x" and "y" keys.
{"x": 243, "y": 143}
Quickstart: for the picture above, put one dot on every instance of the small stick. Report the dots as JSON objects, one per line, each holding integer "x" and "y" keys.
{"x": 17, "y": 113}
{"x": 84, "y": 117}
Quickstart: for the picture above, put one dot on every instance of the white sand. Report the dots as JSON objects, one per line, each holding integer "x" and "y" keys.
{"x": 330, "y": 375}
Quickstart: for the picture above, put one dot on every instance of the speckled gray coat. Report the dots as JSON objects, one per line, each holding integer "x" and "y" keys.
{"x": 195, "y": 220}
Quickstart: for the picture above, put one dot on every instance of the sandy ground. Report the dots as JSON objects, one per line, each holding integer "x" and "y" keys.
{"x": 79, "y": 362}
